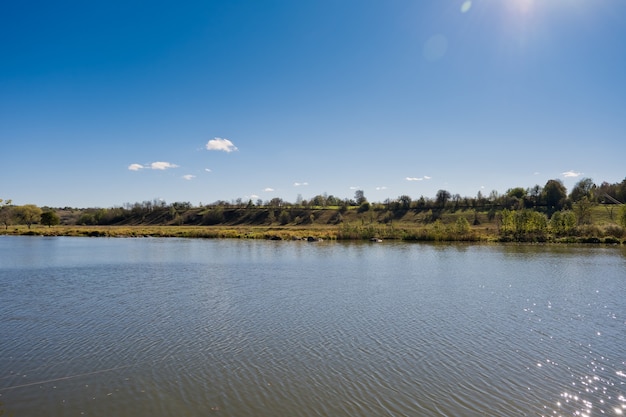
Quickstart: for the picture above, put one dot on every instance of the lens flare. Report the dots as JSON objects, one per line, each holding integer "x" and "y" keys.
{"x": 435, "y": 47}
{"x": 523, "y": 6}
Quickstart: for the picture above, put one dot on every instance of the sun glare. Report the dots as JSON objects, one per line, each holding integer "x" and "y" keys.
{"x": 523, "y": 6}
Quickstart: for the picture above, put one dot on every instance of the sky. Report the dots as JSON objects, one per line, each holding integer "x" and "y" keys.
{"x": 104, "y": 103}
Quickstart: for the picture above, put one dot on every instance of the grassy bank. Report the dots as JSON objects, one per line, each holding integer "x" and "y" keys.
{"x": 435, "y": 232}
{"x": 333, "y": 223}
{"x": 207, "y": 232}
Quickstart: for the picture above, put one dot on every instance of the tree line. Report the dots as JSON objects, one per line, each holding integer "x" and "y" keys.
{"x": 518, "y": 210}
{"x": 27, "y": 214}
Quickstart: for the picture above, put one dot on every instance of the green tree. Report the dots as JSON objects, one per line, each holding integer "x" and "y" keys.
{"x": 506, "y": 222}
{"x": 582, "y": 208}
{"x": 583, "y": 189}
{"x": 554, "y": 195}
{"x": 28, "y": 214}
{"x": 318, "y": 201}
{"x": 535, "y": 224}
{"x": 562, "y": 223}
{"x": 331, "y": 200}
{"x": 514, "y": 198}
{"x": 50, "y": 218}
{"x": 523, "y": 224}
{"x": 517, "y": 192}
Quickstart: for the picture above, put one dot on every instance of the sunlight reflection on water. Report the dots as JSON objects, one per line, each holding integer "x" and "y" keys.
{"x": 158, "y": 327}
{"x": 597, "y": 386}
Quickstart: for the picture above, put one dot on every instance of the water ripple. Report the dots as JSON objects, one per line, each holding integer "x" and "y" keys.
{"x": 260, "y": 328}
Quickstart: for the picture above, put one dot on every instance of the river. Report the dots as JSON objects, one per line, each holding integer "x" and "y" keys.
{"x": 192, "y": 327}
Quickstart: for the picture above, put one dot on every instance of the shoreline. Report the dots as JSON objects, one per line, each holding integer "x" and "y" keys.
{"x": 330, "y": 233}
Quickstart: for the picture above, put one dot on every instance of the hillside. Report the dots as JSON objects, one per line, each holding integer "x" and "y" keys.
{"x": 377, "y": 221}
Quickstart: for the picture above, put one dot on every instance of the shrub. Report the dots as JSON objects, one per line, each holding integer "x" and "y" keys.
{"x": 614, "y": 231}
{"x": 563, "y": 223}
{"x": 365, "y": 206}
{"x": 439, "y": 230}
{"x": 462, "y": 226}
{"x": 336, "y": 219}
{"x": 387, "y": 217}
{"x": 284, "y": 217}
{"x": 213, "y": 216}
{"x": 87, "y": 219}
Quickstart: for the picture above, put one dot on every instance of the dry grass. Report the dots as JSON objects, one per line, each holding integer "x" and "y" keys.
{"x": 208, "y": 232}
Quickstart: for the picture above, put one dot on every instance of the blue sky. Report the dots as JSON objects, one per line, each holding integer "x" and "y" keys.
{"x": 106, "y": 103}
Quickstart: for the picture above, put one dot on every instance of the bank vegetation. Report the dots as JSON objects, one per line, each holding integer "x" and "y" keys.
{"x": 590, "y": 213}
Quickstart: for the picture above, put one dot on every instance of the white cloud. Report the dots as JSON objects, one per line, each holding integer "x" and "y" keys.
{"x": 571, "y": 174}
{"x": 355, "y": 188}
{"x": 219, "y": 144}
{"x": 268, "y": 190}
{"x": 162, "y": 165}
{"x": 254, "y": 197}
{"x": 189, "y": 177}
{"x": 381, "y": 188}
{"x": 155, "y": 165}
{"x": 425, "y": 177}
{"x": 298, "y": 184}
{"x": 207, "y": 169}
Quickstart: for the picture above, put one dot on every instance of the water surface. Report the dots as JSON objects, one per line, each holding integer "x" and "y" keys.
{"x": 162, "y": 327}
